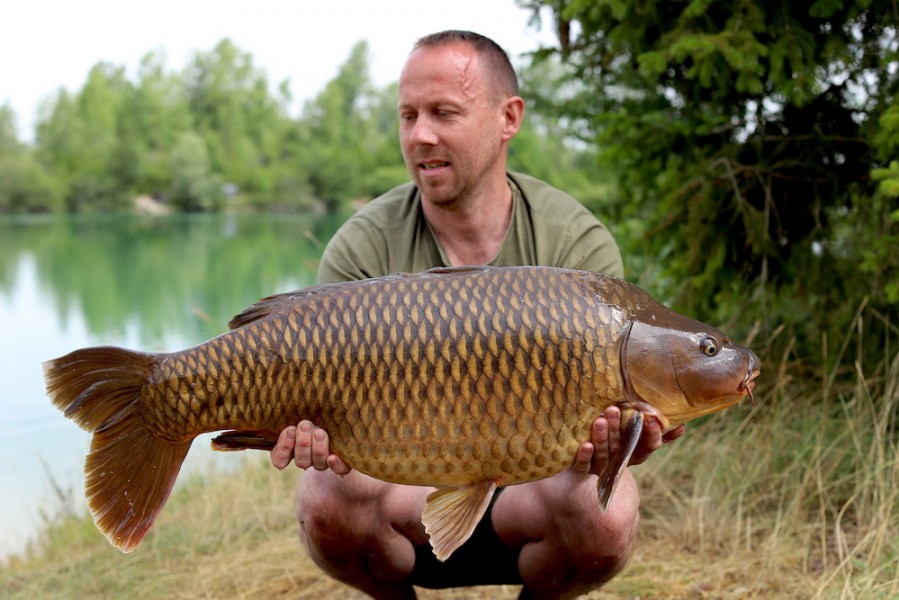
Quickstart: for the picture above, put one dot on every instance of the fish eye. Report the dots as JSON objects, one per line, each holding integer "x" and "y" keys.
{"x": 709, "y": 346}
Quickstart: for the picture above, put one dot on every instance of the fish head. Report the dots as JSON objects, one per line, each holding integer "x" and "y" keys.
{"x": 684, "y": 368}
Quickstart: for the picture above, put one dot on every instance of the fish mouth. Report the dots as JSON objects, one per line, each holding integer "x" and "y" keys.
{"x": 748, "y": 383}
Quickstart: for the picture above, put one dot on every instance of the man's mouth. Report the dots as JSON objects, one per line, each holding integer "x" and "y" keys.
{"x": 431, "y": 165}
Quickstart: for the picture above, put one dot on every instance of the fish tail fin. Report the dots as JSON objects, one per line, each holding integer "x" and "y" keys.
{"x": 129, "y": 471}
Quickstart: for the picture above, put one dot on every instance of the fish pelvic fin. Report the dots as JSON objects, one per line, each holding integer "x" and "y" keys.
{"x": 451, "y": 515}
{"x": 611, "y": 475}
{"x": 129, "y": 471}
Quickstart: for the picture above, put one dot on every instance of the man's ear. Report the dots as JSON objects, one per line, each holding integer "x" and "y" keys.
{"x": 512, "y": 113}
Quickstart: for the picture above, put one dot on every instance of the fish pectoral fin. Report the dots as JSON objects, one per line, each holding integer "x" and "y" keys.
{"x": 451, "y": 515}
{"x": 611, "y": 475}
{"x": 233, "y": 441}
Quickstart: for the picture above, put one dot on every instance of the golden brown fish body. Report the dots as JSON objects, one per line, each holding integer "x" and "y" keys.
{"x": 464, "y": 379}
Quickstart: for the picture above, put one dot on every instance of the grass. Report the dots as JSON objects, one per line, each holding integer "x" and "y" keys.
{"x": 794, "y": 497}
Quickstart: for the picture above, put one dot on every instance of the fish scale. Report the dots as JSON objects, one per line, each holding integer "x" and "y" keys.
{"x": 464, "y": 379}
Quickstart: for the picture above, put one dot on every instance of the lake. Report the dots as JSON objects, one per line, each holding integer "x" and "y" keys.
{"x": 155, "y": 284}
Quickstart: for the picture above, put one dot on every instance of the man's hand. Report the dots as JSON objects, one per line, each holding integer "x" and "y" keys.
{"x": 307, "y": 446}
{"x": 605, "y": 442}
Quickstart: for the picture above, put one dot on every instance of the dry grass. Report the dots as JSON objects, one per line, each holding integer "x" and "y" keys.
{"x": 796, "y": 497}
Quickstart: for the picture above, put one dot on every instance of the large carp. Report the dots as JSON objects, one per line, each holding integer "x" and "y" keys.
{"x": 465, "y": 379}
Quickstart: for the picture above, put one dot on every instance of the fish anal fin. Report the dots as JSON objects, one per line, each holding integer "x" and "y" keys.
{"x": 234, "y": 441}
{"x": 611, "y": 475}
{"x": 451, "y": 515}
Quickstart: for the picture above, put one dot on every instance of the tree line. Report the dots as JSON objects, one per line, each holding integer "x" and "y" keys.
{"x": 219, "y": 133}
{"x": 218, "y": 128}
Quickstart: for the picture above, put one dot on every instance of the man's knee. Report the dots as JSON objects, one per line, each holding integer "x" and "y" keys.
{"x": 326, "y": 537}
{"x": 329, "y": 528}
{"x": 354, "y": 527}
{"x": 580, "y": 548}
{"x": 600, "y": 561}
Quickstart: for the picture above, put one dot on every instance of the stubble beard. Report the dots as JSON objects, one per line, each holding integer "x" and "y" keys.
{"x": 455, "y": 191}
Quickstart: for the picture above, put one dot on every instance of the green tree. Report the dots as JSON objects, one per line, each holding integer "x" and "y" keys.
{"x": 25, "y": 185}
{"x": 551, "y": 145}
{"x": 9, "y": 137}
{"x": 195, "y": 187}
{"x": 341, "y": 133}
{"x": 57, "y": 133}
{"x": 234, "y": 110}
{"x": 152, "y": 119}
{"x": 881, "y": 260}
{"x": 79, "y": 140}
{"x": 743, "y": 138}
{"x": 389, "y": 169}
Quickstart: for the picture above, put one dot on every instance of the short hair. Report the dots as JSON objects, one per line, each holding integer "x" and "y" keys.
{"x": 495, "y": 58}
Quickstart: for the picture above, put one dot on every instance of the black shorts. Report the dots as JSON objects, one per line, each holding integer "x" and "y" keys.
{"x": 482, "y": 560}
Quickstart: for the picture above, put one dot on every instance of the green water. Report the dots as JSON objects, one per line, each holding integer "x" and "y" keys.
{"x": 149, "y": 283}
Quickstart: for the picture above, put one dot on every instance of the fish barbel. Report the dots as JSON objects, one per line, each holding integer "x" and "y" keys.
{"x": 461, "y": 378}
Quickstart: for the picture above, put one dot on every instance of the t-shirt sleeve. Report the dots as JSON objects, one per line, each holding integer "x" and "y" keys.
{"x": 591, "y": 247}
{"x": 566, "y": 234}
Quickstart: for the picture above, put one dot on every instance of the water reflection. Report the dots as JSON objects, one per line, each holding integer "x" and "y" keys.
{"x": 168, "y": 272}
{"x": 154, "y": 284}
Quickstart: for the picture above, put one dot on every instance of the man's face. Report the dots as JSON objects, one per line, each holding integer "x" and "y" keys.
{"x": 451, "y": 123}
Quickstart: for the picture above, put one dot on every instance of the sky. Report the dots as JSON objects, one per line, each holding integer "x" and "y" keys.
{"x": 46, "y": 45}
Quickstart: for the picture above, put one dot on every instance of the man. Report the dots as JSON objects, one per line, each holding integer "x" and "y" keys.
{"x": 458, "y": 108}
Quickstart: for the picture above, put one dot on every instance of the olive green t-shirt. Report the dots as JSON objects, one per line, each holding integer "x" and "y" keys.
{"x": 391, "y": 235}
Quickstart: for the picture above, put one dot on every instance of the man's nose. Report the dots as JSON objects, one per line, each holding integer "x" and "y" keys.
{"x": 423, "y": 132}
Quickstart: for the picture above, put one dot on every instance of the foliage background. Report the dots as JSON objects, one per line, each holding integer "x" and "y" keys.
{"x": 754, "y": 151}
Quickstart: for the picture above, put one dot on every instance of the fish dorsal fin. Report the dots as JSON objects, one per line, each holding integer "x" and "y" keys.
{"x": 286, "y": 301}
{"x": 451, "y": 514}
{"x": 278, "y": 304}
{"x": 611, "y": 475}
{"x": 456, "y": 270}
